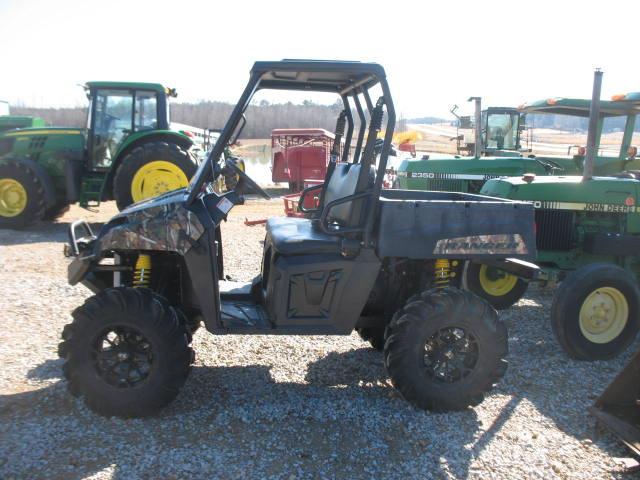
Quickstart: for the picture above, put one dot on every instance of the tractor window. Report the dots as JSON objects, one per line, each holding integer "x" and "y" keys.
{"x": 146, "y": 115}
{"x": 611, "y": 138}
{"x": 113, "y": 117}
{"x": 502, "y": 131}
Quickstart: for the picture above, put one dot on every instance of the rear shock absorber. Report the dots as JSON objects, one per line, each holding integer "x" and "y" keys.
{"x": 442, "y": 272}
{"x": 142, "y": 273}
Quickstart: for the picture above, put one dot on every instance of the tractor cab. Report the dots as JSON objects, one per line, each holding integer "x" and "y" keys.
{"x": 119, "y": 110}
{"x": 501, "y": 131}
{"x": 614, "y": 153}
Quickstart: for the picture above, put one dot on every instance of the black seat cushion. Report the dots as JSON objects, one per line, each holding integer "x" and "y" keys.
{"x": 297, "y": 236}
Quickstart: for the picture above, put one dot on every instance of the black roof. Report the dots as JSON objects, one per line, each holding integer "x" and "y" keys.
{"x": 317, "y": 75}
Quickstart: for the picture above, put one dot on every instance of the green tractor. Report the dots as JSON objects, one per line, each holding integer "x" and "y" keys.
{"x": 500, "y": 134}
{"x": 127, "y": 153}
{"x": 588, "y": 238}
{"x": 470, "y": 174}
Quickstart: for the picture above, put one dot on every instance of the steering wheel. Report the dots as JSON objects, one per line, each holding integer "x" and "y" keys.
{"x": 253, "y": 186}
{"x": 550, "y": 165}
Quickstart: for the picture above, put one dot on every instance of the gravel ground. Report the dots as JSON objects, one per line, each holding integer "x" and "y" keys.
{"x": 282, "y": 406}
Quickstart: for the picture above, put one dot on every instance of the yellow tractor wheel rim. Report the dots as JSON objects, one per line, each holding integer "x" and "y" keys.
{"x": 496, "y": 282}
{"x": 13, "y": 197}
{"x": 603, "y": 315}
{"x": 155, "y": 178}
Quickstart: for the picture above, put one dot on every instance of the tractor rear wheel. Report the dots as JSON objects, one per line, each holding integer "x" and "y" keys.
{"x": 152, "y": 169}
{"x": 22, "y": 195}
{"x": 446, "y": 349}
{"x": 594, "y": 313}
{"x": 500, "y": 289}
{"x": 126, "y": 352}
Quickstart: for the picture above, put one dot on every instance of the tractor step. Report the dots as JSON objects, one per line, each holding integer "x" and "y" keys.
{"x": 91, "y": 191}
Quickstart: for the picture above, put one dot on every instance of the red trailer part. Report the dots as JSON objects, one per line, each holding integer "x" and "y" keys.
{"x": 299, "y": 155}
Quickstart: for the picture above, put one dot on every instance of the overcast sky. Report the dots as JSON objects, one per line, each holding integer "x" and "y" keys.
{"x": 435, "y": 53}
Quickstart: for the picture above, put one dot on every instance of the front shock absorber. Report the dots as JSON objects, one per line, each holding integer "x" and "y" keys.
{"x": 142, "y": 273}
{"x": 442, "y": 272}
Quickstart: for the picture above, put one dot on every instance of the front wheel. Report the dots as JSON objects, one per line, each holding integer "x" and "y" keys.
{"x": 500, "y": 289}
{"x": 150, "y": 170}
{"x": 594, "y": 313}
{"x": 446, "y": 349}
{"x": 126, "y": 352}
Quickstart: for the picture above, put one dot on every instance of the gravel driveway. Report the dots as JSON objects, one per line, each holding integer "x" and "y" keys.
{"x": 282, "y": 406}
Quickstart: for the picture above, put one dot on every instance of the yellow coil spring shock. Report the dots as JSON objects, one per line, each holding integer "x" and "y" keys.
{"x": 442, "y": 272}
{"x": 142, "y": 274}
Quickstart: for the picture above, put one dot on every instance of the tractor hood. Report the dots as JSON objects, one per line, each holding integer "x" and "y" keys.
{"x": 600, "y": 194}
{"x": 161, "y": 223}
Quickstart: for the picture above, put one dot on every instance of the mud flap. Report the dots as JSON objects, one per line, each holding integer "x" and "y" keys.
{"x": 618, "y": 408}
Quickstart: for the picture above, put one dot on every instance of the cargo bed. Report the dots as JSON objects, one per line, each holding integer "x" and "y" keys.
{"x": 423, "y": 224}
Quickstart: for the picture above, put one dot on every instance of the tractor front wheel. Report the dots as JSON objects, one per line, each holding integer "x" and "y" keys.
{"x": 152, "y": 169}
{"x": 22, "y": 195}
{"x": 500, "y": 289}
{"x": 445, "y": 349}
{"x": 126, "y": 352}
{"x": 594, "y": 313}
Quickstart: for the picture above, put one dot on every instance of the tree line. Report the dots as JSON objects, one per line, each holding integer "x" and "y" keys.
{"x": 262, "y": 117}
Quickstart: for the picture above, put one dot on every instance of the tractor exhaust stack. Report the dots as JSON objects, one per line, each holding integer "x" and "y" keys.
{"x": 592, "y": 133}
{"x": 477, "y": 151}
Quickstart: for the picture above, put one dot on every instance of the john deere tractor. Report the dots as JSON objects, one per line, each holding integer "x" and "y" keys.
{"x": 128, "y": 152}
{"x": 588, "y": 238}
{"x": 470, "y": 174}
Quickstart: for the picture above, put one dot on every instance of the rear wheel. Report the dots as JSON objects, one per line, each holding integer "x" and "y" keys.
{"x": 126, "y": 352}
{"x": 22, "y": 195}
{"x": 594, "y": 314}
{"x": 500, "y": 289}
{"x": 446, "y": 349}
{"x": 151, "y": 169}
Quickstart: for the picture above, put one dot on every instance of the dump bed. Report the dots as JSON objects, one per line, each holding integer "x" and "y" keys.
{"x": 423, "y": 224}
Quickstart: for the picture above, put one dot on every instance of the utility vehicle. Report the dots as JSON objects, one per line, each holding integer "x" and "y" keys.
{"x": 129, "y": 151}
{"x": 368, "y": 259}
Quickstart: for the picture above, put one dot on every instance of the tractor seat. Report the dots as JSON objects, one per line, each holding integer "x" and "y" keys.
{"x": 298, "y": 236}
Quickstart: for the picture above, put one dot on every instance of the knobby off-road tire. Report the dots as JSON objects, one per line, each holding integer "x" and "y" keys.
{"x": 126, "y": 352}
{"x": 152, "y": 169}
{"x": 445, "y": 349}
{"x": 594, "y": 314}
{"x": 22, "y": 195}
{"x": 501, "y": 292}
{"x": 373, "y": 335}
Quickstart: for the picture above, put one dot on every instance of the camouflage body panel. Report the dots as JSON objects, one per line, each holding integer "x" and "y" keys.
{"x": 159, "y": 224}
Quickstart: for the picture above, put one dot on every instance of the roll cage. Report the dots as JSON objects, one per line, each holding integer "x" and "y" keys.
{"x": 352, "y": 81}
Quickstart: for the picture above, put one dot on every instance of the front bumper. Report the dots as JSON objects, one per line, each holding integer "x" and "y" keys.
{"x": 81, "y": 249}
